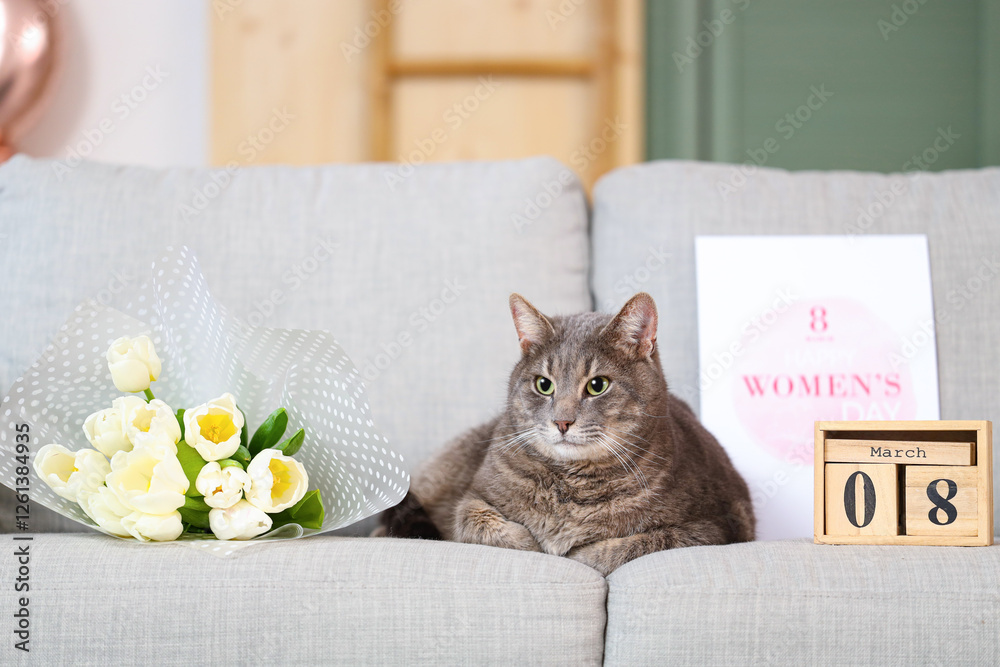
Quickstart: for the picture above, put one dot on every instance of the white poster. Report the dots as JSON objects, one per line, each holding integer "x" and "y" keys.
{"x": 798, "y": 329}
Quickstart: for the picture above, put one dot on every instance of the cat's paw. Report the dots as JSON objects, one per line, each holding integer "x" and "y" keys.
{"x": 479, "y": 522}
{"x": 604, "y": 556}
{"x": 516, "y": 536}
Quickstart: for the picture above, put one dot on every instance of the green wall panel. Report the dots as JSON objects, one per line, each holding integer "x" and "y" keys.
{"x": 825, "y": 84}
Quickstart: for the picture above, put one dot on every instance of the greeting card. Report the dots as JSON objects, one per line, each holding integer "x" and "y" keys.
{"x": 798, "y": 329}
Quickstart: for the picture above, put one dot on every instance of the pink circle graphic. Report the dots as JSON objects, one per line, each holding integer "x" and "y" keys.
{"x": 820, "y": 360}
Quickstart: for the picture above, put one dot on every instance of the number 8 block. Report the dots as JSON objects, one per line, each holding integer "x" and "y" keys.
{"x": 862, "y": 499}
{"x": 941, "y": 500}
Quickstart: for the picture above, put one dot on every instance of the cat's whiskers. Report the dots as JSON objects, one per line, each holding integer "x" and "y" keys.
{"x": 516, "y": 438}
{"x": 516, "y": 442}
{"x": 623, "y": 447}
{"x": 636, "y": 470}
{"x": 608, "y": 445}
{"x": 507, "y": 435}
{"x": 628, "y": 432}
{"x": 511, "y": 440}
{"x": 623, "y": 457}
{"x": 634, "y": 449}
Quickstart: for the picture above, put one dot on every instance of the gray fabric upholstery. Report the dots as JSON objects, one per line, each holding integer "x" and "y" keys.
{"x": 649, "y": 211}
{"x": 322, "y": 600}
{"x": 797, "y": 603}
{"x": 412, "y": 281}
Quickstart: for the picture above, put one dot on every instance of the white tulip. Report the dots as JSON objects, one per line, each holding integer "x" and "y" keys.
{"x": 222, "y": 487}
{"x": 152, "y": 425}
{"x": 214, "y": 428}
{"x": 105, "y": 429}
{"x": 239, "y": 522}
{"x": 92, "y": 470}
{"x": 106, "y": 510}
{"x": 72, "y": 475}
{"x": 148, "y": 480}
{"x": 276, "y": 481}
{"x": 55, "y": 465}
{"x": 133, "y": 363}
{"x": 155, "y": 527}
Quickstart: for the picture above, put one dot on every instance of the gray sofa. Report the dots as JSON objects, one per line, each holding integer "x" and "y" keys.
{"x": 413, "y": 281}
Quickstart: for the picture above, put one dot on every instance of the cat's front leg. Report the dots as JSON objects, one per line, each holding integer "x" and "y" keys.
{"x": 606, "y": 556}
{"x": 478, "y": 522}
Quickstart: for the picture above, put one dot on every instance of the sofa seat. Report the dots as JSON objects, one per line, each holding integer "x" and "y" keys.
{"x": 323, "y": 600}
{"x": 797, "y": 603}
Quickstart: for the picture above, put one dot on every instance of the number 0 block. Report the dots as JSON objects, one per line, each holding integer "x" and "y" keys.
{"x": 942, "y": 500}
{"x": 862, "y": 499}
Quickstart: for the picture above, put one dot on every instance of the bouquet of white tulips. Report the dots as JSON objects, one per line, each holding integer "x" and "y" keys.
{"x": 155, "y": 473}
{"x": 208, "y": 460}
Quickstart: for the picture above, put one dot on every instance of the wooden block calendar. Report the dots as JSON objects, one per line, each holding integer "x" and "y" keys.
{"x": 917, "y": 482}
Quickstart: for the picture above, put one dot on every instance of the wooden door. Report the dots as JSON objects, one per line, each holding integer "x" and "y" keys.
{"x": 415, "y": 81}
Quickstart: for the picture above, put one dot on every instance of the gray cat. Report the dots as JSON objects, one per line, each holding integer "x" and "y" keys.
{"x": 593, "y": 458}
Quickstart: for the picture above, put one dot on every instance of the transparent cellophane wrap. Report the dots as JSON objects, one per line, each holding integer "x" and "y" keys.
{"x": 207, "y": 352}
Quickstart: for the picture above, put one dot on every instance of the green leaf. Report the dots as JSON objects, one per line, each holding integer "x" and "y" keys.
{"x": 180, "y": 420}
{"x": 241, "y": 456}
{"x": 270, "y": 432}
{"x": 244, "y": 437}
{"x": 197, "y": 504}
{"x": 292, "y": 445}
{"x": 194, "y": 517}
{"x": 229, "y": 463}
{"x": 192, "y": 463}
{"x": 308, "y": 512}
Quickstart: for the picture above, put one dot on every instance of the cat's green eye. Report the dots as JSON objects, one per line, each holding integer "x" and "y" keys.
{"x": 598, "y": 386}
{"x": 544, "y": 386}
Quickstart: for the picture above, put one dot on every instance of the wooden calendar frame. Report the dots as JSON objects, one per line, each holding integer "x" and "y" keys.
{"x": 905, "y": 433}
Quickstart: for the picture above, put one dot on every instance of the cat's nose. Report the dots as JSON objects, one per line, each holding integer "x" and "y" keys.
{"x": 563, "y": 426}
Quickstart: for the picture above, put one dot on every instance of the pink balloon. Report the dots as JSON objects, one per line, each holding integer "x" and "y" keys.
{"x": 28, "y": 58}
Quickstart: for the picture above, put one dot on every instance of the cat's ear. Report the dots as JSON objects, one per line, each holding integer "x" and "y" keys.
{"x": 633, "y": 329}
{"x": 533, "y": 328}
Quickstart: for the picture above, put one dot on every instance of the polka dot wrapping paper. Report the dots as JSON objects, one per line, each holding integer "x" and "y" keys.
{"x": 207, "y": 352}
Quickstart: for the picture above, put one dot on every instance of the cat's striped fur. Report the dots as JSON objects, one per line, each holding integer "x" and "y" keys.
{"x": 602, "y": 479}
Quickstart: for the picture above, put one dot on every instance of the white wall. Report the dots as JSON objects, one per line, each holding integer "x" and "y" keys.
{"x": 107, "y": 102}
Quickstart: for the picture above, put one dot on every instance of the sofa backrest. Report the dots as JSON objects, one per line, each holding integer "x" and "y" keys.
{"x": 646, "y": 217}
{"x": 410, "y": 272}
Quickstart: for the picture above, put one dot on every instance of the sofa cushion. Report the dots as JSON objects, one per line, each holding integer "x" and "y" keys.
{"x": 797, "y": 603}
{"x": 411, "y": 279}
{"x": 646, "y": 217}
{"x": 321, "y": 600}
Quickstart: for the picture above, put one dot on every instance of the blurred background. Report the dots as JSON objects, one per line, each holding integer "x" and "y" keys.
{"x": 884, "y": 85}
